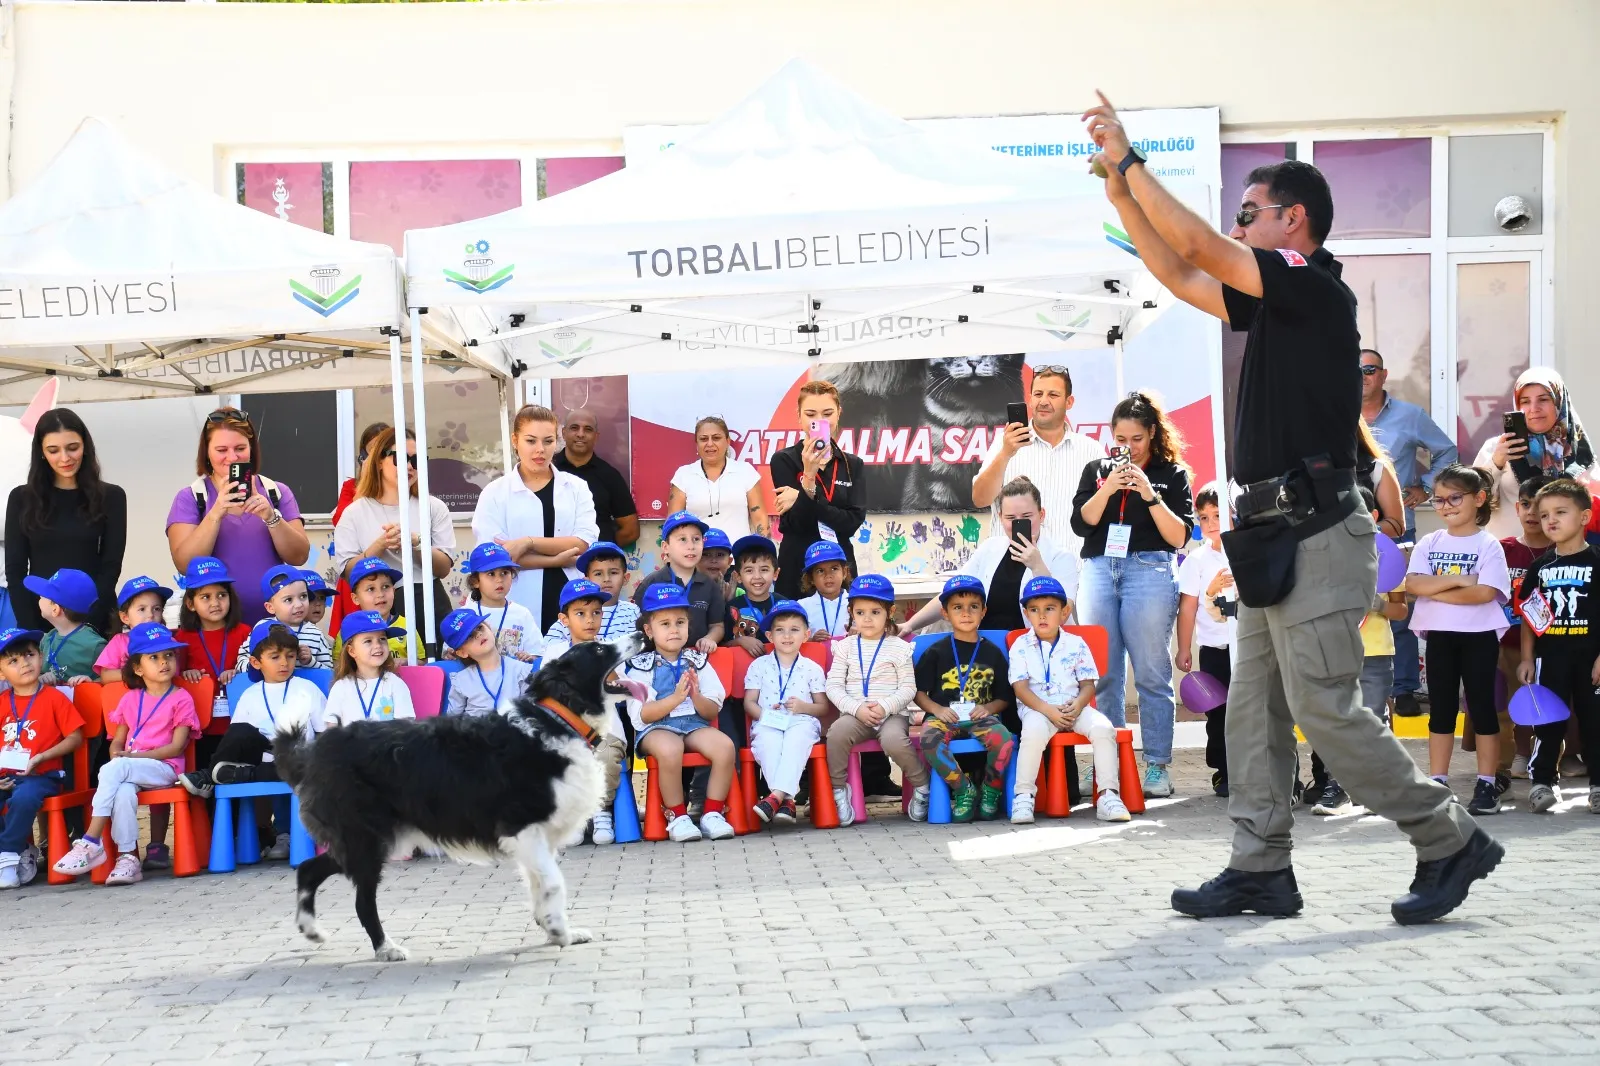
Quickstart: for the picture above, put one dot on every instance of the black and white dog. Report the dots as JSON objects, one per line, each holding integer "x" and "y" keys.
{"x": 516, "y": 784}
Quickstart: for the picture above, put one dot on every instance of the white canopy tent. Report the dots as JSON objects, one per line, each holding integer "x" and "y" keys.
{"x": 120, "y": 280}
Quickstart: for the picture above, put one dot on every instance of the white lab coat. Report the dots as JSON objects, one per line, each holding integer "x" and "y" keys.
{"x": 507, "y": 509}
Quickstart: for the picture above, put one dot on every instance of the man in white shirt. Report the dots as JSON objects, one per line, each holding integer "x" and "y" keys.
{"x": 1046, "y": 452}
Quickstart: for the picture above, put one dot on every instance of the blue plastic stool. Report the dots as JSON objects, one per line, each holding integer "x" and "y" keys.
{"x": 233, "y": 844}
{"x": 939, "y": 792}
{"x": 625, "y": 812}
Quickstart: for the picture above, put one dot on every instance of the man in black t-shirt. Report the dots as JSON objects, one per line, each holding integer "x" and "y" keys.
{"x": 614, "y": 510}
{"x": 1298, "y": 655}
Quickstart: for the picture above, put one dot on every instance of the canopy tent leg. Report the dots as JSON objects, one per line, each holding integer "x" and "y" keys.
{"x": 397, "y": 379}
{"x": 425, "y": 551}
{"x": 1219, "y": 441}
{"x": 507, "y": 389}
{"x": 1119, "y": 361}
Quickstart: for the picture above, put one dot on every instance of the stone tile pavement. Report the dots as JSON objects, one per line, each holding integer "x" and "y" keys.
{"x": 886, "y": 944}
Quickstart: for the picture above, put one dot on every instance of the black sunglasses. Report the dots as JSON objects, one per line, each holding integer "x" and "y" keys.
{"x": 1370, "y": 370}
{"x": 223, "y": 415}
{"x": 1248, "y": 215}
{"x": 391, "y": 453}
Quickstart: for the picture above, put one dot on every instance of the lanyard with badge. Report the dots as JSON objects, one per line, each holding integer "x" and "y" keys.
{"x": 838, "y": 612}
{"x": 1047, "y": 655}
{"x": 13, "y": 756}
{"x": 219, "y": 705}
{"x": 778, "y": 716}
{"x": 499, "y": 687}
{"x": 825, "y": 531}
{"x": 964, "y": 708}
{"x": 140, "y": 718}
{"x": 55, "y": 650}
{"x": 866, "y": 671}
{"x": 1120, "y": 534}
{"x": 368, "y": 704}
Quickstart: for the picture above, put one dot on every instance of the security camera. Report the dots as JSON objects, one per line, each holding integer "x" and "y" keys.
{"x": 1512, "y": 213}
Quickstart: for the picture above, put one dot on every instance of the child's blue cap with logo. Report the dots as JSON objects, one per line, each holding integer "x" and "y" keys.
{"x": 457, "y": 627}
{"x": 72, "y": 589}
{"x": 962, "y": 583}
{"x": 783, "y": 607}
{"x": 1043, "y": 586}
{"x": 314, "y": 583}
{"x": 364, "y": 568}
{"x": 580, "y": 588}
{"x": 678, "y": 520}
{"x": 11, "y": 636}
{"x": 258, "y": 633}
{"x": 824, "y": 551}
{"x": 663, "y": 597}
{"x": 137, "y": 586}
{"x": 205, "y": 570}
{"x": 147, "y": 638}
{"x": 358, "y": 622}
{"x": 279, "y": 576}
{"x": 601, "y": 549}
{"x": 755, "y": 542}
{"x": 716, "y": 539}
{"x": 490, "y": 556}
{"x": 872, "y": 587}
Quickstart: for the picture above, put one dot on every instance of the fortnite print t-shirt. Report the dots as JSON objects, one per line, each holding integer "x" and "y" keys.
{"x": 1567, "y": 583}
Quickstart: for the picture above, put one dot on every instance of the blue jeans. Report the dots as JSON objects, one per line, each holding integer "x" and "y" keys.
{"x": 22, "y": 802}
{"x": 1136, "y": 601}
{"x": 1407, "y": 665}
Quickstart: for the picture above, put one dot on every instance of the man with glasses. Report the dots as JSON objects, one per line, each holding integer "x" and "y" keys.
{"x": 1303, "y": 556}
{"x": 614, "y": 509}
{"x": 1404, "y": 430}
{"x": 1047, "y": 452}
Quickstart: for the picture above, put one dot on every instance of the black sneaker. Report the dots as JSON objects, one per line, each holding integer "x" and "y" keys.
{"x": 767, "y": 808}
{"x": 1485, "y": 798}
{"x": 1299, "y": 790}
{"x": 1219, "y": 783}
{"x": 198, "y": 783}
{"x": 1331, "y": 800}
{"x": 1273, "y": 894}
{"x": 1441, "y": 885}
{"x": 1406, "y": 705}
{"x": 1502, "y": 783}
{"x": 233, "y": 773}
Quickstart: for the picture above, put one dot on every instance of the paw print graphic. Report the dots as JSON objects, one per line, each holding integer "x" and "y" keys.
{"x": 919, "y": 532}
{"x": 864, "y": 534}
{"x": 894, "y": 544}
{"x": 430, "y": 180}
{"x": 970, "y": 529}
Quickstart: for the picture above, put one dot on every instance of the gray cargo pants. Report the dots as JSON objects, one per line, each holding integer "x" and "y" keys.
{"x": 1299, "y": 661}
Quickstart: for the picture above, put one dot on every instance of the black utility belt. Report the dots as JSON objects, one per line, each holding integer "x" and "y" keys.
{"x": 1293, "y": 495}
{"x": 1274, "y": 516}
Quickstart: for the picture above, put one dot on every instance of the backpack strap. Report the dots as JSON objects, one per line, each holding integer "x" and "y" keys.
{"x": 198, "y": 487}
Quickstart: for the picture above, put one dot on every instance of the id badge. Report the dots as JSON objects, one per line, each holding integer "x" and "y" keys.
{"x": 825, "y": 532}
{"x": 220, "y": 708}
{"x": 1536, "y": 609}
{"x": 964, "y": 710}
{"x": 776, "y": 719}
{"x": 1118, "y": 538}
{"x": 13, "y": 758}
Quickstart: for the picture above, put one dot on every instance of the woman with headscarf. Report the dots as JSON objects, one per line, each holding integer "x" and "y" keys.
{"x": 1556, "y": 445}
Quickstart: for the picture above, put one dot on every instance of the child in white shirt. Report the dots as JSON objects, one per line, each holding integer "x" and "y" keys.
{"x": 606, "y": 565}
{"x": 490, "y": 575}
{"x": 365, "y": 686}
{"x": 1208, "y": 607}
{"x": 826, "y": 604}
{"x": 785, "y": 695}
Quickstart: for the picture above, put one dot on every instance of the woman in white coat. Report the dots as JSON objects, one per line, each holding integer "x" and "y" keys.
{"x": 543, "y": 516}
{"x": 1004, "y": 564}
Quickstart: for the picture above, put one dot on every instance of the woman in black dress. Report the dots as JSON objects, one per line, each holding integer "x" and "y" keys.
{"x": 64, "y": 515}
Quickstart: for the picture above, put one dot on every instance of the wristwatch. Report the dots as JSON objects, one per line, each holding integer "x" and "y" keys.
{"x": 277, "y": 516}
{"x": 1133, "y": 156}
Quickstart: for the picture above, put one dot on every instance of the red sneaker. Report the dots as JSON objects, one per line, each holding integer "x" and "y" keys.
{"x": 770, "y": 808}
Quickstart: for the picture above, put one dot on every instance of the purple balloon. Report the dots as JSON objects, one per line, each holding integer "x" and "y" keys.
{"x": 1391, "y": 564}
{"x": 1536, "y": 705}
{"x": 1202, "y": 693}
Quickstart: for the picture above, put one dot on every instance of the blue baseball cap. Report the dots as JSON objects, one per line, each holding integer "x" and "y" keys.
{"x": 314, "y": 583}
{"x": 11, "y": 636}
{"x": 1044, "y": 586}
{"x": 783, "y": 607}
{"x": 358, "y": 622}
{"x": 755, "y": 542}
{"x": 258, "y": 633}
{"x": 963, "y": 583}
{"x": 717, "y": 539}
{"x": 489, "y": 556}
{"x": 601, "y": 549}
{"x": 147, "y": 638}
{"x": 663, "y": 597}
{"x": 72, "y": 589}
{"x": 370, "y": 565}
{"x": 872, "y": 587}
{"x": 279, "y": 576}
{"x": 824, "y": 551}
{"x": 581, "y": 588}
{"x": 457, "y": 627}
{"x": 205, "y": 570}
{"x": 137, "y": 586}
{"x": 678, "y": 519}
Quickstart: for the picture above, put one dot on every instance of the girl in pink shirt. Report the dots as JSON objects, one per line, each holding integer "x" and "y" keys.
{"x": 1459, "y": 577}
{"x": 152, "y": 724}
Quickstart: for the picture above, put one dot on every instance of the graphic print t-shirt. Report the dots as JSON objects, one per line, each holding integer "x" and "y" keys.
{"x": 1568, "y": 584}
{"x": 939, "y": 673}
{"x": 1441, "y": 554}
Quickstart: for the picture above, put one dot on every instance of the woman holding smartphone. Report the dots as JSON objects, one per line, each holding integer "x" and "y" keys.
{"x": 230, "y": 511}
{"x": 820, "y": 492}
{"x": 1544, "y": 435}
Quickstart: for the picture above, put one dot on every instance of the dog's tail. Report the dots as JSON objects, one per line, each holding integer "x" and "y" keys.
{"x": 291, "y": 748}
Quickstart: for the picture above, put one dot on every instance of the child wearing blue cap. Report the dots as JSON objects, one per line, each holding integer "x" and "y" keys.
{"x": 1053, "y": 673}
{"x": 491, "y": 573}
{"x": 141, "y": 599}
{"x": 244, "y": 752}
{"x": 604, "y": 564}
{"x": 72, "y": 645}
{"x": 872, "y": 682}
{"x": 716, "y": 559}
{"x": 755, "y": 561}
{"x": 365, "y": 686}
{"x": 286, "y": 596}
{"x": 963, "y": 686}
{"x": 685, "y": 698}
{"x": 372, "y": 585}
{"x": 821, "y": 590}
{"x": 208, "y": 623}
{"x": 150, "y": 730}
{"x": 488, "y": 676}
{"x": 38, "y": 726}
{"x": 785, "y": 695}
{"x": 682, "y": 540}
{"x": 318, "y": 594}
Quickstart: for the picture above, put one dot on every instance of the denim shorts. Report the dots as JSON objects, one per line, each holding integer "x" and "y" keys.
{"x": 682, "y": 724}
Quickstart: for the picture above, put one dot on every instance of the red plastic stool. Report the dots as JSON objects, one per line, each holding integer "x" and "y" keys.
{"x": 1054, "y": 773}
{"x": 824, "y": 813}
{"x": 655, "y": 819}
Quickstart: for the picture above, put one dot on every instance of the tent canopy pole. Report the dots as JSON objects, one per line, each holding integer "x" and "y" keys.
{"x": 424, "y": 510}
{"x": 397, "y": 380}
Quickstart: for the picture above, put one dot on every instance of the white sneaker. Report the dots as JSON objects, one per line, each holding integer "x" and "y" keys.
{"x": 918, "y": 811}
{"x": 1021, "y": 809}
{"x": 1086, "y": 782}
{"x": 682, "y": 829}
{"x": 604, "y": 831}
{"x": 279, "y": 849}
{"x": 28, "y": 865}
{"x": 1541, "y": 798}
{"x": 1110, "y": 808}
{"x": 847, "y": 810}
{"x": 715, "y": 826}
{"x": 1519, "y": 767}
{"x": 9, "y": 877}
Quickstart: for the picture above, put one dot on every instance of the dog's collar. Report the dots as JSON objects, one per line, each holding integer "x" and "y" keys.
{"x": 587, "y": 733}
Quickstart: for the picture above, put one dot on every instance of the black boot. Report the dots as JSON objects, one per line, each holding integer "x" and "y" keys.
{"x": 1441, "y": 885}
{"x": 1272, "y": 894}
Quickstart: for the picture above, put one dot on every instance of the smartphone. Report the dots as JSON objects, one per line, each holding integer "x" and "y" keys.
{"x": 1121, "y": 455}
{"x": 1016, "y": 414}
{"x": 239, "y": 474}
{"x": 1021, "y": 529}
{"x": 821, "y": 431}
{"x": 1515, "y": 423}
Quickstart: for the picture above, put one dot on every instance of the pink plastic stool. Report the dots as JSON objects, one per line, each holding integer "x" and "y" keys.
{"x": 858, "y": 798}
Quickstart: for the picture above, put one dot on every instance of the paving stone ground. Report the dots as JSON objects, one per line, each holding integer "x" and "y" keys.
{"x": 888, "y": 944}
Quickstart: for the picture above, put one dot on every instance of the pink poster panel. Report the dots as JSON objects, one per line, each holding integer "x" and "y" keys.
{"x": 291, "y": 191}
{"x": 388, "y": 198}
